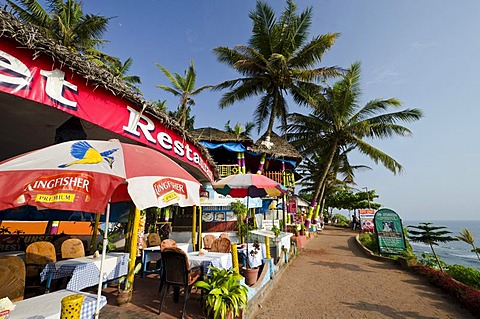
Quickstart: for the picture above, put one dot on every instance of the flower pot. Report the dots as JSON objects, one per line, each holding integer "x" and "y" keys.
{"x": 124, "y": 297}
{"x": 251, "y": 275}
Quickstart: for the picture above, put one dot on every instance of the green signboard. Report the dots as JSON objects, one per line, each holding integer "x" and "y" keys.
{"x": 389, "y": 229}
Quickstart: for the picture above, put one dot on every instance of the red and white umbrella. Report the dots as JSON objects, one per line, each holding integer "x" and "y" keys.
{"x": 83, "y": 176}
{"x": 87, "y": 175}
{"x": 252, "y": 185}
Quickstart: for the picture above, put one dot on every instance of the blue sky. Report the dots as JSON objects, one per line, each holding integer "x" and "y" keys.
{"x": 423, "y": 52}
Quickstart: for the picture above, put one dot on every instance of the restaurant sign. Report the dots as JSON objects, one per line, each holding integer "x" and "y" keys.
{"x": 41, "y": 81}
{"x": 389, "y": 229}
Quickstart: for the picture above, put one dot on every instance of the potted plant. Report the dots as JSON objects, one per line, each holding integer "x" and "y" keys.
{"x": 223, "y": 294}
{"x": 124, "y": 295}
{"x": 240, "y": 209}
{"x": 251, "y": 273}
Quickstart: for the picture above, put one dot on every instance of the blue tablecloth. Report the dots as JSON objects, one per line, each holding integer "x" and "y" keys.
{"x": 85, "y": 271}
{"x": 48, "y": 306}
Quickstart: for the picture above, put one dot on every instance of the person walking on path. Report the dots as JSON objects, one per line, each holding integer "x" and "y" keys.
{"x": 332, "y": 278}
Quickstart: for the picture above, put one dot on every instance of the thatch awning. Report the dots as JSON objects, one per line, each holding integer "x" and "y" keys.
{"x": 278, "y": 147}
{"x": 30, "y": 37}
{"x": 214, "y": 135}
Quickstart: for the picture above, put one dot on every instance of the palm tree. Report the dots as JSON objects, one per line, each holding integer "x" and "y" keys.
{"x": 430, "y": 235}
{"x": 120, "y": 70}
{"x": 184, "y": 87}
{"x": 277, "y": 61}
{"x": 64, "y": 22}
{"x": 338, "y": 124}
{"x": 240, "y": 130}
{"x": 467, "y": 237}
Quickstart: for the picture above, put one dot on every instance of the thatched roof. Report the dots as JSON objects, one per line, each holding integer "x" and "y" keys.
{"x": 31, "y": 37}
{"x": 279, "y": 147}
{"x": 211, "y": 134}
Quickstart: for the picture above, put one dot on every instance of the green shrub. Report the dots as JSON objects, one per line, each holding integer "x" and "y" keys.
{"x": 341, "y": 220}
{"x": 370, "y": 241}
{"x": 468, "y": 276}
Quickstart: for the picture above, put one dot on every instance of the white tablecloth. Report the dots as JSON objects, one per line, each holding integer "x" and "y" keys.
{"x": 256, "y": 260}
{"x": 49, "y": 306}
{"x": 218, "y": 260}
{"x": 85, "y": 270}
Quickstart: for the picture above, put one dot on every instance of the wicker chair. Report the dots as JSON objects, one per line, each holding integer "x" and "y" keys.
{"x": 176, "y": 273}
{"x": 153, "y": 239}
{"x": 208, "y": 241}
{"x": 221, "y": 245}
{"x": 224, "y": 235}
{"x": 37, "y": 255}
{"x": 12, "y": 280}
{"x": 72, "y": 248}
{"x": 168, "y": 243}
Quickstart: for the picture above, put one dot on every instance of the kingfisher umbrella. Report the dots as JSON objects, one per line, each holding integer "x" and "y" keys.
{"x": 87, "y": 175}
{"x": 253, "y": 185}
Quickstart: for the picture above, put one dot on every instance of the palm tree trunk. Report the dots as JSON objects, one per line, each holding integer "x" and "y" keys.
{"x": 436, "y": 258}
{"x": 324, "y": 174}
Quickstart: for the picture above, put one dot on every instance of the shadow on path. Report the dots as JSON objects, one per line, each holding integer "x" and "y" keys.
{"x": 385, "y": 310}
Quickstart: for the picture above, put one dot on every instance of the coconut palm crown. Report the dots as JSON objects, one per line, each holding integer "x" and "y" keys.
{"x": 338, "y": 124}
{"x": 64, "y": 21}
{"x": 184, "y": 87}
{"x": 277, "y": 60}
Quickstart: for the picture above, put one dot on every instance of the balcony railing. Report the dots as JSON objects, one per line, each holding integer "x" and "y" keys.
{"x": 287, "y": 179}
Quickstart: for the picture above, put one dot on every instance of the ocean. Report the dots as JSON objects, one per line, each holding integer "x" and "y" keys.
{"x": 456, "y": 252}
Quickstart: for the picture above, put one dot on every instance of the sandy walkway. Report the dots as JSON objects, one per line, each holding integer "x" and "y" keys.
{"x": 331, "y": 278}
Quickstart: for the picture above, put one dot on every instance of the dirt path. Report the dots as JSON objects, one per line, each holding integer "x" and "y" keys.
{"x": 332, "y": 278}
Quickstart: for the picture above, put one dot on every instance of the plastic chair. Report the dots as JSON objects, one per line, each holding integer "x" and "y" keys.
{"x": 208, "y": 241}
{"x": 176, "y": 273}
{"x": 12, "y": 280}
{"x": 72, "y": 248}
{"x": 221, "y": 245}
{"x": 153, "y": 239}
{"x": 168, "y": 243}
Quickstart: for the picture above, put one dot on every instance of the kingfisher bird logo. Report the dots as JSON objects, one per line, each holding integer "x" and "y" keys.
{"x": 87, "y": 154}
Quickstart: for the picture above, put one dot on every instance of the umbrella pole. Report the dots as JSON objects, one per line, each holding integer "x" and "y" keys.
{"x": 104, "y": 252}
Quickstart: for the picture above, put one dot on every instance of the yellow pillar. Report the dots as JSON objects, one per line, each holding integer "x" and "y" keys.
{"x": 200, "y": 241}
{"x": 194, "y": 228}
{"x": 267, "y": 247}
{"x": 133, "y": 247}
{"x": 236, "y": 269}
